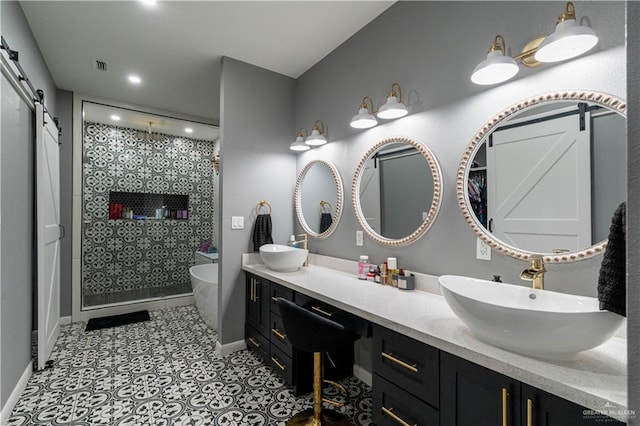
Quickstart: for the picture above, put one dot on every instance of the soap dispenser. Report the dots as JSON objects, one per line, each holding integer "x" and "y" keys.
{"x": 292, "y": 241}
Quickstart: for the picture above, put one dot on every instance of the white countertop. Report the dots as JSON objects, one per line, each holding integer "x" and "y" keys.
{"x": 596, "y": 379}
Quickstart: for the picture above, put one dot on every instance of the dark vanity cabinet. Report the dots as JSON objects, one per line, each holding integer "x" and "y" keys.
{"x": 416, "y": 384}
{"x": 405, "y": 380}
{"x": 257, "y": 310}
{"x": 545, "y": 409}
{"x": 470, "y": 392}
{"x": 265, "y": 334}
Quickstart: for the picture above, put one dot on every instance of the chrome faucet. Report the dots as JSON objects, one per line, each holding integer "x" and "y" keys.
{"x": 305, "y": 245}
{"x": 535, "y": 273}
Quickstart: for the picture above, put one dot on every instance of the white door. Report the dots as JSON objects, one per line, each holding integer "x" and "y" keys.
{"x": 539, "y": 185}
{"x": 48, "y": 233}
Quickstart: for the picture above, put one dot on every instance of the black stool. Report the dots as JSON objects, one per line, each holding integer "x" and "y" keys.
{"x": 310, "y": 332}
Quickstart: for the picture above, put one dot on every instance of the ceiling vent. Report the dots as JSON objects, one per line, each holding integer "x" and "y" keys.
{"x": 101, "y": 65}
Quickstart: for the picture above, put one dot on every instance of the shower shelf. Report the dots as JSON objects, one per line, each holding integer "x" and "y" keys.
{"x": 169, "y": 206}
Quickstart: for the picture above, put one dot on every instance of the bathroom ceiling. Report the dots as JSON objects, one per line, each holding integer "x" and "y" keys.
{"x": 176, "y": 46}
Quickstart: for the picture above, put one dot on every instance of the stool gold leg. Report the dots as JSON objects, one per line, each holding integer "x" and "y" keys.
{"x": 318, "y": 416}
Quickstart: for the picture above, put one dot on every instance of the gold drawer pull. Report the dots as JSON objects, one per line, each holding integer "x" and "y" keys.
{"x": 254, "y": 342}
{"x": 505, "y": 395}
{"x": 389, "y": 412}
{"x": 390, "y": 357}
{"x": 529, "y": 412}
{"x": 275, "y": 299}
{"x": 277, "y": 362}
{"x": 322, "y": 311}
{"x": 279, "y": 333}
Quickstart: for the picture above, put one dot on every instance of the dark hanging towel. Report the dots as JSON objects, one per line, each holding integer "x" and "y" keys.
{"x": 325, "y": 221}
{"x": 262, "y": 231}
{"x": 612, "y": 280}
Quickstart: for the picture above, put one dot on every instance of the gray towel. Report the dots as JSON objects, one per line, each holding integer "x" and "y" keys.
{"x": 262, "y": 231}
{"x": 612, "y": 290}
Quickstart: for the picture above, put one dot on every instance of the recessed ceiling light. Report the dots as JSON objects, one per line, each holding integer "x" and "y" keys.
{"x": 149, "y": 2}
{"x": 188, "y": 130}
{"x": 115, "y": 117}
{"x": 134, "y": 79}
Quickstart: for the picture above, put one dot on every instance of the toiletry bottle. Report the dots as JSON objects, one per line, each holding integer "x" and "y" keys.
{"x": 363, "y": 267}
{"x": 371, "y": 273}
{"x": 376, "y": 275}
{"x": 292, "y": 241}
{"x": 384, "y": 270}
{"x": 392, "y": 263}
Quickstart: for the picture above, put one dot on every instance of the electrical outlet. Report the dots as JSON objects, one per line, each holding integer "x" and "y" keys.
{"x": 483, "y": 251}
{"x": 359, "y": 238}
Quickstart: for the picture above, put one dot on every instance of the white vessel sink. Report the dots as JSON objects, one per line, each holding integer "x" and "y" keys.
{"x": 282, "y": 258}
{"x": 538, "y": 323}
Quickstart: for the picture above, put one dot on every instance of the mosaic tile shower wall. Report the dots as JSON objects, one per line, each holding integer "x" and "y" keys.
{"x": 123, "y": 254}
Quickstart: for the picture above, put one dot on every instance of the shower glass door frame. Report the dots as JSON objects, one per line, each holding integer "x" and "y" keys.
{"x": 81, "y": 312}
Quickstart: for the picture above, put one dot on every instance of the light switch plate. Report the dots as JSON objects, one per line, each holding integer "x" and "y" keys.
{"x": 237, "y": 222}
{"x": 359, "y": 238}
{"x": 483, "y": 251}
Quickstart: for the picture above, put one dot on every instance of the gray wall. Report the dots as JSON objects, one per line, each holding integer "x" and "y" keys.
{"x": 17, "y": 33}
{"x": 406, "y": 193}
{"x": 16, "y": 192}
{"x": 16, "y": 189}
{"x": 609, "y": 174}
{"x": 633, "y": 212}
{"x": 431, "y": 51}
{"x": 257, "y": 126}
{"x": 64, "y": 107}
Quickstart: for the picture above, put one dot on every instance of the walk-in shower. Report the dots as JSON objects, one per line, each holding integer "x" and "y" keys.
{"x": 149, "y": 201}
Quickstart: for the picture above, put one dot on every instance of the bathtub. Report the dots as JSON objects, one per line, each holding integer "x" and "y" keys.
{"x": 204, "y": 281}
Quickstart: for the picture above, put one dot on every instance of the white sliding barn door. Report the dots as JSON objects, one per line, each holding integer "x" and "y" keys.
{"x": 539, "y": 185}
{"x": 48, "y": 233}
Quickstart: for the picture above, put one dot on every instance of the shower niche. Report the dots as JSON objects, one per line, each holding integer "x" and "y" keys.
{"x": 148, "y": 206}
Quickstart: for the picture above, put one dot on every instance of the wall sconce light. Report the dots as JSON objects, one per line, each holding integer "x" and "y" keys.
{"x": 568, "y": 41}
{"x": 497, "y": 67}
{"x": 365, "y": 118}
{"x": 317, "y": 136}
{"x": 394, "y": 108}
{"x": 298, "y": 144}
{"x": 216, "y": 163}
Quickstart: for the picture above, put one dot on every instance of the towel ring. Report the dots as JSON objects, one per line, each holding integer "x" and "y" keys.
{"x": 324, "y": 204}
{"x": 261, "y": 204}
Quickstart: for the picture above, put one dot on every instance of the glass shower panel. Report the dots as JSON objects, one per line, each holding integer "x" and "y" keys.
{"x": 148, "y": 204}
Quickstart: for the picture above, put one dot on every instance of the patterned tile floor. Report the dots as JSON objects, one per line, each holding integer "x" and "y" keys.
{"x": 163, "y": 372}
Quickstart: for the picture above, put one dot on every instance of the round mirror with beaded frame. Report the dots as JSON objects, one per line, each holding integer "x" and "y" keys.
{"x": 591, "y": 98}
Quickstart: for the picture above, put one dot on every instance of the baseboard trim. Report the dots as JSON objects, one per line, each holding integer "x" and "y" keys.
{"x": 65, "y": 320}
{"x": 230, "y": 348}
{"x": 15, "y": 395}
{"x": 362, "y": 374}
